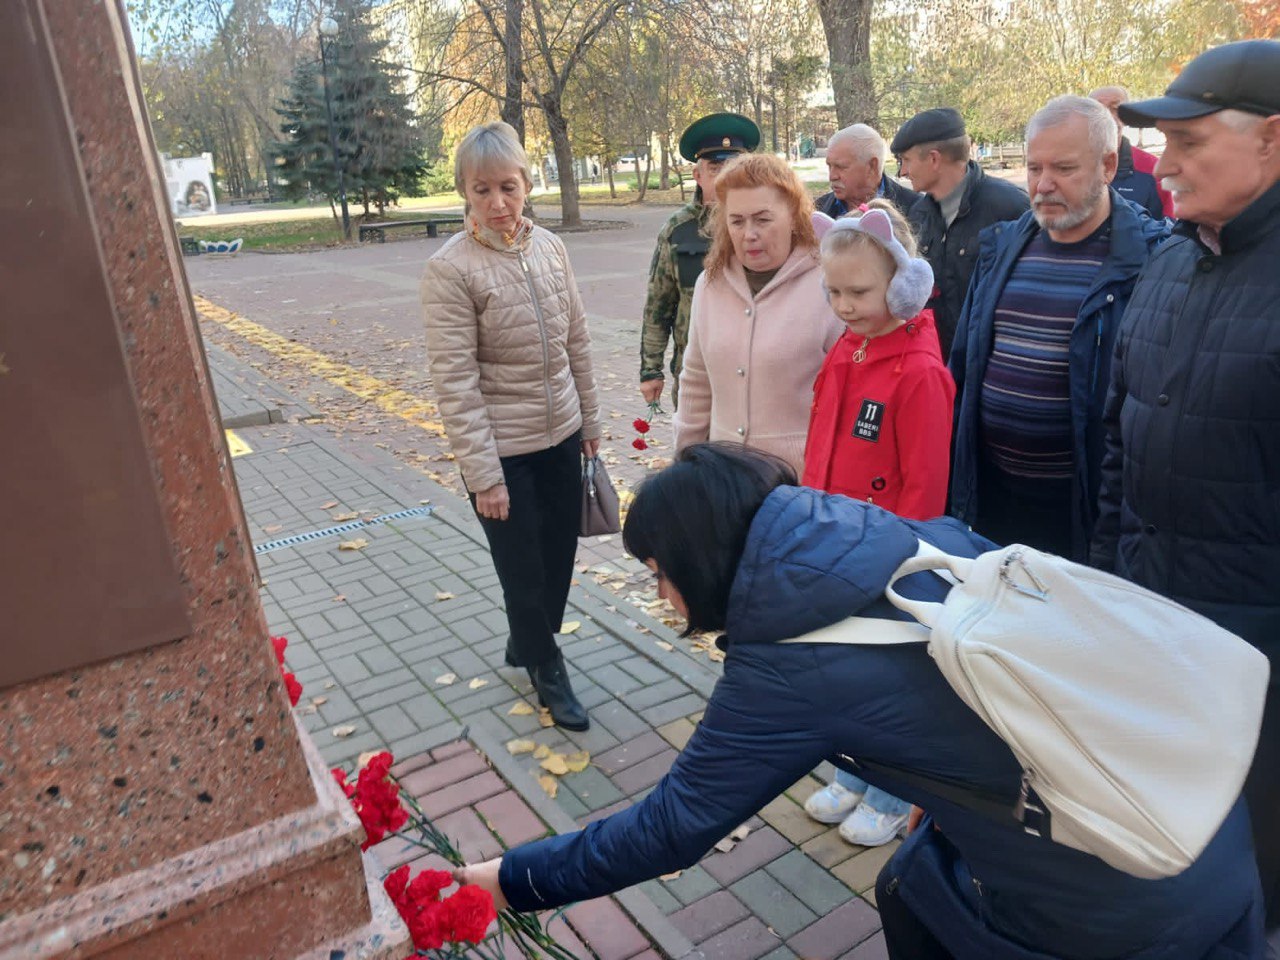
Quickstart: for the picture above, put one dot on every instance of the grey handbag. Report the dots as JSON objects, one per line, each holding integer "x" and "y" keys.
{"x": 599, "y": 501}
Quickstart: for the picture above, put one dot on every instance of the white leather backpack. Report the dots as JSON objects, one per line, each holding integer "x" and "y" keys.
{"x": 1134, "y": 719}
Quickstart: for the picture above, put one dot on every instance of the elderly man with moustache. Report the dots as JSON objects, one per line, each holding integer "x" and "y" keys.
{"x": 1190, "y": 502}
{"x": 1032, "y": 354}
{"x": 855, "y": 170}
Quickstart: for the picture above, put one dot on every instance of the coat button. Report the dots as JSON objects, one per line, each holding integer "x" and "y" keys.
{"x": 1163, "y": 399}
{"x": 1205, "y": 265}
{"x": 1150, "y": 529}
{"x": 747, "y": 311}
{"x": 961, "y": 252}
{"x": 742, "y": 372}
{"x": 877, "y": 483}
{"x": 1111, "y": 298}
{"x": 742, "y": 431}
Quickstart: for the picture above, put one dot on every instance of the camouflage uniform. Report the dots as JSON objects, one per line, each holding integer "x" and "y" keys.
{"x": 677, "y": 262}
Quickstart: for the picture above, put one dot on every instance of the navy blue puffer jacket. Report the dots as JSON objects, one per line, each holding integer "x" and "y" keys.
{"x": 810, "y": 560}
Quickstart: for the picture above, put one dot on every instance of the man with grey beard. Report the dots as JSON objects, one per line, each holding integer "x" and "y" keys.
{"x": 1033, "y": 346}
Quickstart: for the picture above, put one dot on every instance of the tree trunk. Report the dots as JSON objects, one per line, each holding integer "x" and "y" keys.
{"x": 664, "y": 152}
{"x": 613, "y": 187}
{"x": 558, "y": 127}
{"x": 642, "y": 183}
{"x": 512, "y": 110}
{"x": 847, "y": 25}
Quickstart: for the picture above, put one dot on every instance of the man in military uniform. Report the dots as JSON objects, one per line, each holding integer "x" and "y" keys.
{"x": 682, "y": 243}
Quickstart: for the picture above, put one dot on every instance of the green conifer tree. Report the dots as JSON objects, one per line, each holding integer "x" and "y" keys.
{"x": 380, "y": 146}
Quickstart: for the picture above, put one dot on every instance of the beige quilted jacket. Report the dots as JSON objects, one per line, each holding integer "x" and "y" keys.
{"x": 509, "y": 351}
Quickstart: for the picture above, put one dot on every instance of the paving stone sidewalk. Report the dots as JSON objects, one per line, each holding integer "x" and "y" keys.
{"x": 374, "y": 634}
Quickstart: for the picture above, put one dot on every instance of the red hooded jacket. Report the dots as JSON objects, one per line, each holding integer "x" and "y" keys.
{"x": 880, "y": 428}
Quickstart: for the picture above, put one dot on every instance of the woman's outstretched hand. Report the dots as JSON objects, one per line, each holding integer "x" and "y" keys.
{"x": 494, "y": 503}
{"x": 485, "y": 876}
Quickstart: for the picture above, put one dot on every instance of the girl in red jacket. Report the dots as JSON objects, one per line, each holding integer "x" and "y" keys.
{"x": 880, "y": 427}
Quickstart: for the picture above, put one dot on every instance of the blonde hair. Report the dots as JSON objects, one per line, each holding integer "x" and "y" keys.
{"x": 489, "y": 145}
{"x": 750, "y": 170}
{"x": 847, "y": 241}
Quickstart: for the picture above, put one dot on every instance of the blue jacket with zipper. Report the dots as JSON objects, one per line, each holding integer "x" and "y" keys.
{"x": 1134, "y": 237}
{"x": 986, "y": 889}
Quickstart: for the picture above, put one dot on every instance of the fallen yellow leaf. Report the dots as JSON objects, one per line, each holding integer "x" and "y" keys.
{"x": 741, "y": 833}
{"x": 541, "y": 752}
{"x": 329, "y": 506}
{"x": 319, "y": 701}
{"x": 664, "y": 645}
{"x": 517, "y": 747}
{"x": 340, "y": 517}
{"x": 668, "y": 877}
{"x": 357, "y": 544}
{"x": 569, "y": 626}
{"x": 477, "y": 683}
{"x": 555, "y": 764}
{"x": 447, "y": 678}
{"x": 577, "y": 762}
{"x": 520, "y": 709}
{"x": 544, "y": 718}
{"x": 550, "y": 785}
{"x": 344, "y": 731}
{"x": 444, "y": 595}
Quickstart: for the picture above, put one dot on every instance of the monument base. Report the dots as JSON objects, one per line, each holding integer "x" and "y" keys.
{"x": 297, "y": 887}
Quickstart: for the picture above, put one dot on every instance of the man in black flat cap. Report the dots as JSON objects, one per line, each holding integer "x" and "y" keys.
{"x": 682, "y": 244}
{"x": 1190, "y": 501}
{"x": 959, "y": 202}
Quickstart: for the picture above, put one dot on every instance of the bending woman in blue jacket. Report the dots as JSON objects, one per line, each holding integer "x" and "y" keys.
{"x": 736, "y": 546}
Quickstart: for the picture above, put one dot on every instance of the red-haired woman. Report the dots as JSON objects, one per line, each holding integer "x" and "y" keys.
{"x": 761, "y": 325}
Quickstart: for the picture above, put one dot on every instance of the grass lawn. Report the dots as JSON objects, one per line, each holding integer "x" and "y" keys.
{"x": 291, "y": 234}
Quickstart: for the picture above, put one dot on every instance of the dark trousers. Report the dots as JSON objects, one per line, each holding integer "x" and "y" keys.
{"x": 1011, "y": 510}
{"x": 1262, "y": 791}
{"x": 534, "y": 548}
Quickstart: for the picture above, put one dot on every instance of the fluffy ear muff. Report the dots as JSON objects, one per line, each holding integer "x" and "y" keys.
{"x": 910, "y": 288}
{"x": 821, "y": 223}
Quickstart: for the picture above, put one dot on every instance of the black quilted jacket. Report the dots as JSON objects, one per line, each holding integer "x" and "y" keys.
{"x": 1190, "y": 499}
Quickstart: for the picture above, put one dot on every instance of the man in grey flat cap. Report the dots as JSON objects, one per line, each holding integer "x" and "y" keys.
{"x": 959, "y": 202}
{"x": 1190, "y": 501}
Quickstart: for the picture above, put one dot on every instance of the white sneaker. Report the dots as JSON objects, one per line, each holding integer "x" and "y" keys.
{"x": 867, "y": 827}
{"x": 832, "y": 803}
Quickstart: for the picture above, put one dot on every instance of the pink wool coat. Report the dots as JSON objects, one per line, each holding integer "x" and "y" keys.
{"x": 751, "y": 362}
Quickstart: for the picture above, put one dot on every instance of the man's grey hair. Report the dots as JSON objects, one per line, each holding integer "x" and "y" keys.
{"x": 1240, "y": 121}
{"x": 488, "y": 146}
{"x": 1104, "y": 138}
{"x": 1111, "y": 90}
{"x": 864, "y": 140}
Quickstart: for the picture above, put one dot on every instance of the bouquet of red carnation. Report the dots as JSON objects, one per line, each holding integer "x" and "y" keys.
{"x": 439, "y": 926}
{"x": 641, "y": 425}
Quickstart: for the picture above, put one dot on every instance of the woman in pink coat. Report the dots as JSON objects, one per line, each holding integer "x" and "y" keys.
{"x": 761, "y": 325}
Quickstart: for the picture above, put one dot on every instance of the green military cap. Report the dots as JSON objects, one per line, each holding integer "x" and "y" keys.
{"x": 719, "y": 136}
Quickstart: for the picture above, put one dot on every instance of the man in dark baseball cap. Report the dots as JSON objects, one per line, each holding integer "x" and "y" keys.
{"x": 1196, "y": 369}
{"x": 1236, "y": 76}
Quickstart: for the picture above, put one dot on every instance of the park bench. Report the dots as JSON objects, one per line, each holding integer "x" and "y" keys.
{"x": 190, "y": 245}
{"x": 378, "y": 231}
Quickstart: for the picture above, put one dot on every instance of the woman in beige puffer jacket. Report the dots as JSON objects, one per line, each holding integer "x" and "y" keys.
{"x": 510, "y": 357}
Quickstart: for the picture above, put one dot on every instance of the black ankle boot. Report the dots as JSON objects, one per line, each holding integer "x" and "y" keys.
{"x": 551, "y": 680}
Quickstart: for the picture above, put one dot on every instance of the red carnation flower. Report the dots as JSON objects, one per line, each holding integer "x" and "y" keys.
{"x": 640, "y": 425}
{"x": 278, "y": 644}
{"x": 429, "y": 883}
{"x": 396, "y": 883}
{"x": 377, "y": 800}
{"x": 426, "y": 926}
{"x": 639, "y": 443}
{"x": 294, "y": 687}
{"x": 467, "y": 914}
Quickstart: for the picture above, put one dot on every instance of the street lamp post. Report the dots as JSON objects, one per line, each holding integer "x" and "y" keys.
{"x": 329, "y": 32}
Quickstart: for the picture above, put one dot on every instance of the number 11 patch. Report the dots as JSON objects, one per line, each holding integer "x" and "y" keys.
{"x": 870, "y": 420}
